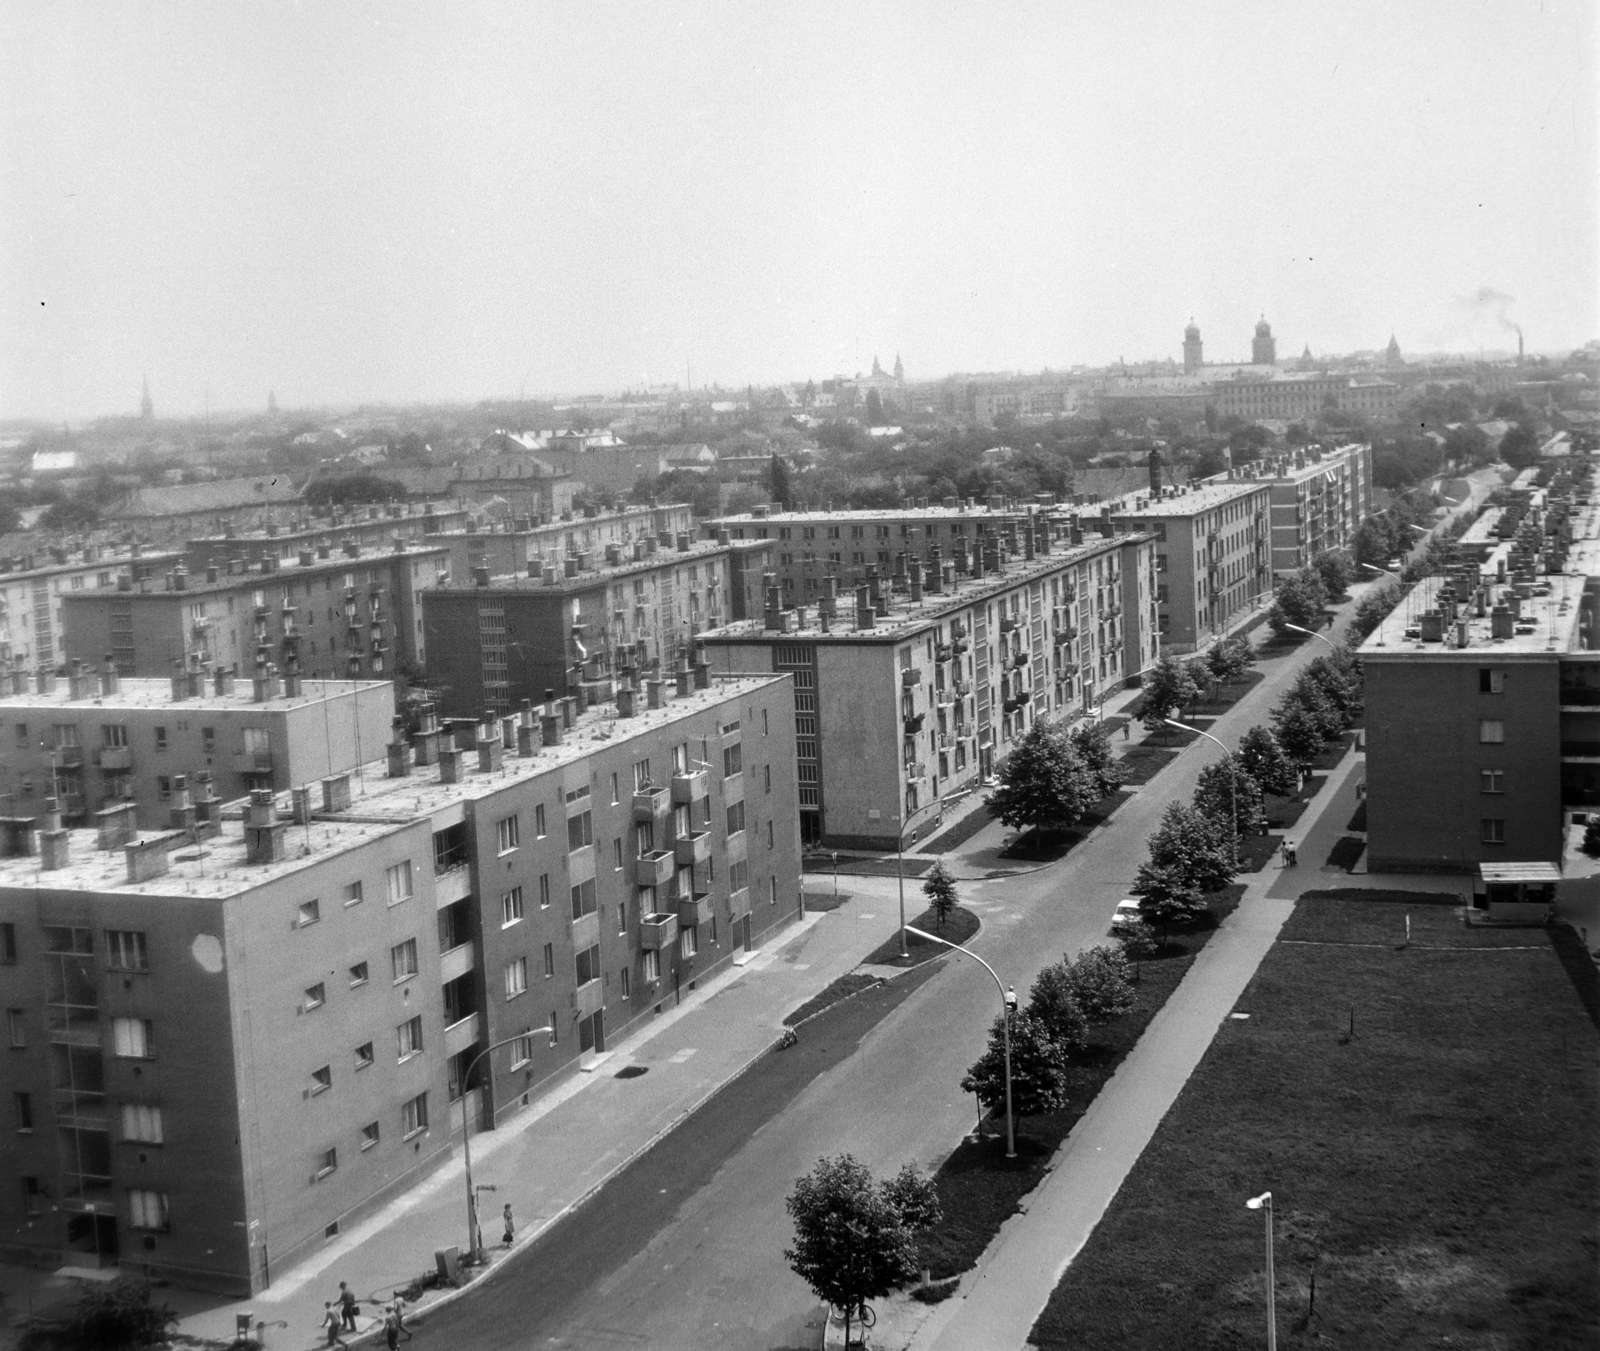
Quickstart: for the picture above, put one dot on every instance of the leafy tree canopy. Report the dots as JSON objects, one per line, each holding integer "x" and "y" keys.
{"x": 1299, "y": 600}
{"x": 1169, "y": 687}
{"x": 1043, "y": 783}
{"x": 1092, "y": 744}
{"x": 1263, "y": 759}
{"x": 353, "y": 488}
{"x": 119, "y": 1316}
{"x": 940, "y": 889}
{"x": 1226, "y": 790}
{"x": 1189, "y": 841}
{"x": 1038, "y": 1069}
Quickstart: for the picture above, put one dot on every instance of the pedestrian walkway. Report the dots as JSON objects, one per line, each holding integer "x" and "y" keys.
{"x": 548, "y": 1159}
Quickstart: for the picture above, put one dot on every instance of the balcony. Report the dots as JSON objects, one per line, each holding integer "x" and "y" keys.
{"x": 589, "y": 998}
{"x": 116, "y": 758}
{"x": 689, "y": 786}
{"x": 457, "y": 962}
{"x": 909, "y": 678}
{"x": 658, "y": 931}
{"x": 452, "y": 886}
{"x": 1580, "y": 751}
{"x": 72, "y": 1024}
{"x": 586, "y": 931}
{"x": 689, "y": 850}
{"x": 650, "y": 804}
{"x": 460, "y": 1035}
{"x": 739, "y": 903}
{"x": 66, "y": 757}
{"x": 655, "y": 869}
{"x": 252, "y": 762}
{"x": 694, "y": 910}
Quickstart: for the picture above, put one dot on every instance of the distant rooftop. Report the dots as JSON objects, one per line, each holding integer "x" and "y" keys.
{"x": 147, "y": 692}
{"x": 1190, "y": 502}
{"x": 1548, "y": 622}
{"x": 969, "y": 507}
{"x": 379, "y": 805}
{"x": 554, "y": 575}
{"x": 284, "y": 570}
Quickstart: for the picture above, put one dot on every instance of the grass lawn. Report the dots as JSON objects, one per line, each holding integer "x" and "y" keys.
{"x": 958, "y": 928}
{"x": 1436, "y": 1172}
{"x": 1284, "y": 812}
{"x": 978, "y": 1186}
{"x": 1049, "y": 846}
{"x": 852, "y": 982}
{"x": 1255, "y": 851}
{"x": 1141, "y": 763}
{"x": 959, "y": 833}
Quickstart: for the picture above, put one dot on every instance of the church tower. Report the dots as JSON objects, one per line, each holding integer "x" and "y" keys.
{"x": 1263, "y": 349}
{"x": 1391, "y": 354}
{"x": 899, "y": 370}
{"x": 1193, "y": 356}
{"x": 147, "y": 410}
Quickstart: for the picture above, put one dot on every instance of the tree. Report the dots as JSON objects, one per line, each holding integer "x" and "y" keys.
{"x": 940, "y": 889}
{"x": 1166, "y": 896}
{"x": 874, "y": 408}
{"x": 1169, "y": 687}
{"x": 1092, "y": 745}
{"x": 1043, "y": 784}
{"x": 1299, "y": 600}
{"x": 1262, "y": 758}
{"x": 1373, "y": 608}
{"x": 1297, "y": 730}
{"x": 76, "y": 513}
{"x": 353, "y": 488}
{"x": 1307, "y": 693}
{"x": 1467, "y": 445}
{"x": 1336, "y": 571}
{"x": 854, "y": 1236}
{"x": 1225, "y": 792}
{"x": 118, "y": 1316}
{"x": 1101, "y": 983}
{"x": 1519, "y": 447}
{"x": 1038, "y": 1069}
{"x": 1229, "y": 658}
{"x": 1138, "y": 940}
{"x": 1591, "y": 837}
{"x": 1053, "y": 1000}
{"x": 778, "y": 480}
{"x": 1190, "y": 842}
{"x": 9, "y": 518}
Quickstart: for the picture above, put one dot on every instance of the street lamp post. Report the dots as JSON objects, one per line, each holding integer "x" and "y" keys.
{"x": 1312, "y": 633}
{"x": 1008, "y": 1000}
{"x": 474, "y": 1229}
{"x": 1373, "y": 567}
{"x": 900, "y": 879}
{"x": 1233, "y": 778}
{"x": 1264, "y": 1203}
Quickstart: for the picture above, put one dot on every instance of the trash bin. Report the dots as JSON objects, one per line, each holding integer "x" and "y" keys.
{"x": 447, "y": 1261}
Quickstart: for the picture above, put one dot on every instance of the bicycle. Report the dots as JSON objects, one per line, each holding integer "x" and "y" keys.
{"x": 860, "y": 1314}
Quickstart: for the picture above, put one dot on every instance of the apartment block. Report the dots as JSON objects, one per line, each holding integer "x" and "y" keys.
{"x": 33, "y": 588}
{"x": 810, "y": 546}
{"x": 1319, "y": 499}
{"x": 1213, "y": 555}
{"x": 913, "y": 688}
{"x": 511, "y": 545}
{"x": 351, "y": 613}
{"x": 574, "y": 620}
{"x": 97, "y": 741}
{"x": 224, "y": 1055}
{"x": 1483, "y": 707}
{"x": 374, "y": 528}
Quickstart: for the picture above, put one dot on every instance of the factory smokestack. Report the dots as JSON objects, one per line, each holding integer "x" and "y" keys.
{"x": 1518, "y": 327}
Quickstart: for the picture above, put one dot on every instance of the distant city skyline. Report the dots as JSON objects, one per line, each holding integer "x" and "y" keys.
{"x": 399, "y": 203}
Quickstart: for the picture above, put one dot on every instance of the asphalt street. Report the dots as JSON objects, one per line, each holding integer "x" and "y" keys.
{"x": 685, "y": 1248}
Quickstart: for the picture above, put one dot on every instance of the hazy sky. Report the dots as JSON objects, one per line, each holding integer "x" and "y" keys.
{"x": 393, "y": 201}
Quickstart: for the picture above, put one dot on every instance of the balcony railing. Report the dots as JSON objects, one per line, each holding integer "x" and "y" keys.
{"x": 116, "y": 757}
{"x": 691, "y": 849}
{"x": 650, "y": 804}
{"x": 66, "y": 757}
{"x": 689, "y": 787}
{"x": 655, "y": 869}
{"x": 694, "y": 910}
{"x": 658, "y": 931}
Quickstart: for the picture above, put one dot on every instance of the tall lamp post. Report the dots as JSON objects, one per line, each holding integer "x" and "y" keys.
{"x": 474, "y": 1229}
{"x": 1233, "y": 777}
{"x": 1264, "y": 1203}
{"x": 1373, "y": 567}
{"x": 1008, "y": 1000}
{"x": 1321, "y": 638}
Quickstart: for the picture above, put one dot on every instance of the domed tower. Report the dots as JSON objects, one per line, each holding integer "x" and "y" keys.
{"x": 1264, "y": 349}
{"x": 1193, "y": 358}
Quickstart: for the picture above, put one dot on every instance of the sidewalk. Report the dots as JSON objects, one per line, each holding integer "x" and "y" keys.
{"x": 551, "y": 1157}
{"x": 999, "y": 1300}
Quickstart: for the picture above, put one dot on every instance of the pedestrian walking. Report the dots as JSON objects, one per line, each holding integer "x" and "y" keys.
{"x": 400, "y": 1317}
{"x": 1361, "y": 790}
{"x": 391, "y": 1329}
{"x": 1125, "y": 727}
{"x": 348, "y": 1306}
{"x": 511, "y": 1231}
{"x": 332, "y": 1322}
{"x": 1291, "y": 853}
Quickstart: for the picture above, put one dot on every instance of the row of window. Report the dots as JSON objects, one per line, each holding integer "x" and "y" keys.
{"x": 413, "y": 1121}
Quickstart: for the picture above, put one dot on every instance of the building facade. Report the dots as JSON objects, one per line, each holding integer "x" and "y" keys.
{"x": 373, "y": 528}
{"x": 95, "y": 740}
{"x": 1319, "y": 499}
{"x": 915, "y": 687}
{"x": 509, "y": 546}
{"x": 221, "y": 1058}
{"x": 350, "y": 614}
{"x": 571, "y": 627}
{"x": 1213, "y": 555}
{"x": 34, "y": 589}
{"x": 1302, "y": 397}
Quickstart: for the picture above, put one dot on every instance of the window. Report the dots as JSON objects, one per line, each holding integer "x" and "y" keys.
{"x": 1491, "y": 732}
{"x": 505, "y": 830}
{"x": 114, "y": 734}
{"x": 511, "y": 908}
{"x": 1491, "y": 681}
{"x": 310, "y": 912}
{"x": 588, "y": 963}
{"x": 516, "y": 977}
{"x": 132, "y": 1038}
{"x": 641, "y": 774}
{"x": 321, "y": 1080}
{"x": 768, "y": 773}
{"x": 17, "y": 1027}
{"x": 403, "y": 960}
{"x": 1494, "y": 830}
{"x": 769, "y": 834}
{"x": 32, "y": 1197}
{"x": 316, "y": 996}
{"x": 408, "y": 1037}
{"x": 352, "y": 893}
{"x": 414, "y": 1116}
{"x": 358, "y": 974}
{"x": 1491, "y": 781}
{"x": 208, "y": 738}
{"x": 652, "y": 966}
{"x": 23, "y": 1102}
{"x": 327, "y": 1161}
{"x": 627, "y": 976}
{"x": 163, "y": 786}
{"x": 583, "y": 899}
{"x": 580, "y": 830}
{"x": 148, "y": 1209}
{"x": 738, "y": 876}
{"x": 8, "y": 944}
{"x": 399, "y": 881}
{"x": 622, "y": 917}
{"x": 553, "y": 1031}
{"x": 688, "y": 942}
{"x": 732, "y": 760}
{"x": 538, "y": 821}
{"x": 141, "y": 1123}
{"x": 772, "y": 891}
{"x": 125, "y": 950}
{"x": 365, "y": 1055}
{"x": 544, "y": 891}
{"x": 615, "y": 785}
{"x": 549, "y": 960}
{"x": 521, "y": 1052}
{"x": 369, "y": 1135}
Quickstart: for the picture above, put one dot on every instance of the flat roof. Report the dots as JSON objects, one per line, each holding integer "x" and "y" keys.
{"x": 699, "y": 551}
{"x": 105, "y": 560}
{"x": 156, "y": 692}
{"x": 867, "y": 516}
{"x": 1549, "y": 623}
{"x": 379, "y": 806}
{"x": 287, "y": 570}
{"x": 904, "y": 617}
{"x": 1203, "y": 498}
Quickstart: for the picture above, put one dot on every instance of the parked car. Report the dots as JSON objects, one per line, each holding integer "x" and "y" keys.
{"x": 1127, "y": 914}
